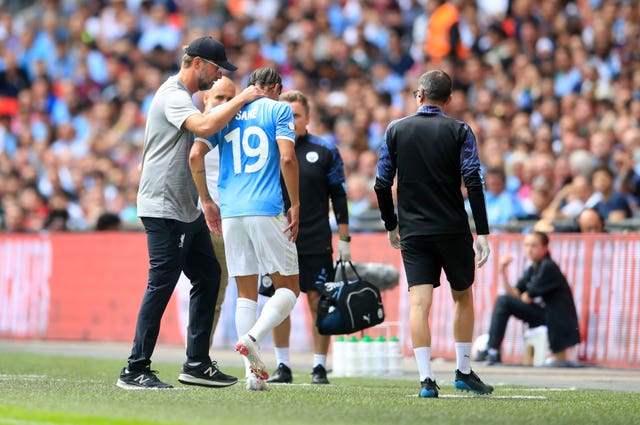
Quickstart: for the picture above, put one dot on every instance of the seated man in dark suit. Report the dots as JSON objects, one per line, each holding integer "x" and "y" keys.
{"x": 541, "y": 296}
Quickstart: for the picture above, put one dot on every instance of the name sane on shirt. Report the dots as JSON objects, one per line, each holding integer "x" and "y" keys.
{"x": 247, "y": 115}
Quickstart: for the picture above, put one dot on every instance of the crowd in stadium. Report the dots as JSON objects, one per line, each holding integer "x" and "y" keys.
{"x": 551, "y": 90}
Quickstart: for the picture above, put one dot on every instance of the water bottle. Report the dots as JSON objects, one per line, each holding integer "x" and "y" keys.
{"x": 395, "y": 356}
{"x": 365, "y": 355}
{"x": 352, "y": 367}
{"x": 339, "y": 357}
{"x": 380, "y": 360}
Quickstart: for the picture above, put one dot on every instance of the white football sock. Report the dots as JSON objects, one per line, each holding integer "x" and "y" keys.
{"x": 423, "y": 358}
{"x": 319, "y": 360}
{"x": 273, "y": 313}
{"x": 282, "y": 355}
{"x": 463, "y": 357}
{"x": 246, "y": 311}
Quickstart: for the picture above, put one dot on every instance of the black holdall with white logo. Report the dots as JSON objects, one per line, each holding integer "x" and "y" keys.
{"x": 348, "y": 306}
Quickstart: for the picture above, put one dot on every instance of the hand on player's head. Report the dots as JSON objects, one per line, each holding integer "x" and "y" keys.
{"x": 252, "y": 93}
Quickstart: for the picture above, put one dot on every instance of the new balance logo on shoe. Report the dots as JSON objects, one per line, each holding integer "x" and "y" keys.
{"x": 141, "y": 379}
{"x": 206, "y": 375}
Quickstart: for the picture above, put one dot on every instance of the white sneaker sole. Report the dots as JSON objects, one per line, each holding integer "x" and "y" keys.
{"x": 187, "y": 379}
{"x": 121, "y": 384}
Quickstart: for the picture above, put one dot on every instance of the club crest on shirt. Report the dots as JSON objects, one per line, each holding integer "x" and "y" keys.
{"x": 312, "y": 157}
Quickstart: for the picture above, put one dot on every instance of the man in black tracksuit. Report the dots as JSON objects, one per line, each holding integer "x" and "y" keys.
{"x": 542, "y": 296}
{"x": 430, "y": 152}
{"x": 321, "y": 179}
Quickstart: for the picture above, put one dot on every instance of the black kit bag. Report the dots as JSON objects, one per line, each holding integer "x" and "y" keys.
{"x": 348, "y": 306}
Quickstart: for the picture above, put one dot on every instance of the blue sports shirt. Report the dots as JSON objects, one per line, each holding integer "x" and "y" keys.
{"x": 249, "y": 181}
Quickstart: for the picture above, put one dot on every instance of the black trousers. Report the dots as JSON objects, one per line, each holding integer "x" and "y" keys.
{"x": 507, "y": 306}
{"x": 175, "y": 247}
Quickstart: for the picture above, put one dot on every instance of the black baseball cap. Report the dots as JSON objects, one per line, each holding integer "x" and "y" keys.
{"x": 210, "y": 49}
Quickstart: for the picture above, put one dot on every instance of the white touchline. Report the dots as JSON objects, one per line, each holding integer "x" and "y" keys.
{"x": 25, "y": 422}
{"x": 488, "y": 396}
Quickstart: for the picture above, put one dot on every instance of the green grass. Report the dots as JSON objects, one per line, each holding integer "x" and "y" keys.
{"x": 46, "y": 390}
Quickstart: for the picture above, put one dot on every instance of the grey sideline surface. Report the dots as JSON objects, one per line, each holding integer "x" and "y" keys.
{"x": 599, "y": 378}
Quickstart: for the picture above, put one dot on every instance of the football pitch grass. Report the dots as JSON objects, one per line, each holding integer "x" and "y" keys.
{"x": 54, "y": 389}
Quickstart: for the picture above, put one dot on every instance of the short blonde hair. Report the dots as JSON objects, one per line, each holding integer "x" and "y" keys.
{"x": 296, "y": 96}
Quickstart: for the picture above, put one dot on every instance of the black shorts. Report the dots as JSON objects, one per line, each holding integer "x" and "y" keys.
{"x": 314, "y": 270}
{"x": 425, "y": 257}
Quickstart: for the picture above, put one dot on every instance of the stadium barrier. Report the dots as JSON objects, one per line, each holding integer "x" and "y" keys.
{"x": 87, "y": 287}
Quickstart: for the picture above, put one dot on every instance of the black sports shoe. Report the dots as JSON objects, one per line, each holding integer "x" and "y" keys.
{"x": 205, "y": 374}
{"x": 140, "y": 380}
{"x": 319, "y": 375}
{"x": 282, "y": 375}
{"x": 472, "y": 383}
{"x": 493, "y": 359}
{"x": 429, "y": 388}
{"x": 481, "y": 356}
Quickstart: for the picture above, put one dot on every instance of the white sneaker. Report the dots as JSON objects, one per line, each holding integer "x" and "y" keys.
{"x": 248, "y": 347}
{"x": 256, "y": 384}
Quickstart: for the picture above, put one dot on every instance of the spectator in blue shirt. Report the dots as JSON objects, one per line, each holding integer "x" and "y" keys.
{"x": 567, "y": 78}
{"x": 502, "y": 206}
{"x": 613, "y": 206}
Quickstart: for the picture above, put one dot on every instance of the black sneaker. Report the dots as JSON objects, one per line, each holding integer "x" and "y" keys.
{"x": 429, "y": 389}
{"x": 140, "y": 380}
{"x": 472, "y": 383}
{"x": 282, "y": 375}
{"x": 205, "y": 374}
{"x": 319, "y": 375}
{"x": 493, "y": 359}
{"x": 481, "y": 356}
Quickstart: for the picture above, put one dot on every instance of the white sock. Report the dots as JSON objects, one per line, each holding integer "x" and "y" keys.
{"x": 319, "y": 359}
{"x": 282, "y": 355}
{"x": 273, "y": 313}
{"x": 423, "y": 358}
{"x": 463, "y": 357}
{"x": 246, "y": 311}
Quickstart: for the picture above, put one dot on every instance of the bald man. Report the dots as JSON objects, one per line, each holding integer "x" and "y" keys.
{"x": 222, "y": 91}
{"x": 590, "y": 221}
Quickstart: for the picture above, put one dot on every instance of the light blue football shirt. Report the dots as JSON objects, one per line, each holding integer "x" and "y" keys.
{"x": 249, "y": 181}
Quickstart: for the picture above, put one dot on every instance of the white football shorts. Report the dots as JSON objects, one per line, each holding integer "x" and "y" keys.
{"x": 257, "y": 245}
